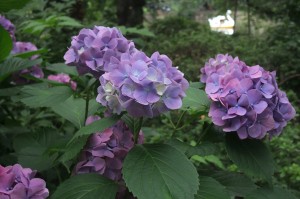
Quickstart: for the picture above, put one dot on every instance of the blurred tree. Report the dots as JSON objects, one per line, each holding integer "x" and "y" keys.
{"x": 130, "y": 12}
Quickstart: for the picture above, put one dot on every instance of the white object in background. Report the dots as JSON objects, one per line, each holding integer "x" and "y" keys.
{"x": 224, "y": 24}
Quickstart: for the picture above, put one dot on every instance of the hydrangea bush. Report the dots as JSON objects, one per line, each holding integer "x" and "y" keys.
{"x": 88, "y": 157}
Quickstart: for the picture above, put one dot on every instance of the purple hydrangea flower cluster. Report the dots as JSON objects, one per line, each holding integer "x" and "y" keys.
{"x": 92, "y": 50}
{"x": 129, "y": 79}
{"x": 141, "y": 85}
{"x": 105, "y": 151}
{"x": 19, "y": 183}
{"x": 8, "y": 26}
{"x": 245, "y": 99}
{"x": 63, "y": 78}
{"x": 35, "y": 71}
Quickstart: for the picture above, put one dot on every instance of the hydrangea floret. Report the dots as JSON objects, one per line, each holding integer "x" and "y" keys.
{"x": 35, "y": 71}
{"x": 245, "y": 99}
{"x": 63, "y": 78}
{"x": 18, "y": 182}
{"x": 8, "y": 26}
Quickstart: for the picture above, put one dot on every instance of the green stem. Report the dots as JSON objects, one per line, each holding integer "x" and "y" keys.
{"x": 137, "y": 131}
{"x": 58, "y": 175}
{"x": 178, "y": 123}
{"x": 179, "y": 120}
{"x": 87, "y": 104}
{"x": 204, "y": 133}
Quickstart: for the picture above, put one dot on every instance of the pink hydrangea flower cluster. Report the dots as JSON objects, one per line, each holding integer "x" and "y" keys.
{"x": 63, "y": 78}
{"x": 19, "y": 183}
{"x": 245, "y": 99}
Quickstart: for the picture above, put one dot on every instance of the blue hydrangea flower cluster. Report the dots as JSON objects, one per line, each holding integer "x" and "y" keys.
{"x": 130, "y": 81}
{"x": 92, "y": 50}
{"x": 245, "y": 99}
{"x": 8, "y": 26}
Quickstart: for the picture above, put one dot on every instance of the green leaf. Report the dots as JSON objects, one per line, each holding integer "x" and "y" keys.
{"x": 8, "y": 5}
{"x": 251, "y": 156}
{"x": 159, "y": 171}
{"x": 237, "y": 184}
{"x": 198, "y": 85}
{"x": 195, "y": 99}
{"x": 203, "y": 149}
{"x": 74, "y": 110}
{"x": 97, "y": 126}
{"x": 63, "y": 68}
{"x": 86, "y": 186}
{"x": 31, "y": 149}
{"x": 73, "y": 149}
{"x": 211, "y": 189}
{"x": 5, "y": 43}
{"x": 29, "y": 54}
{"x": 10, "y": 91}
{"x": 68, "y": 21}
{"x": 15, "y": 64}
{"x": 134, "y": 124}
{"x": 40, "y": 97}
{"x": 268, "y": 193}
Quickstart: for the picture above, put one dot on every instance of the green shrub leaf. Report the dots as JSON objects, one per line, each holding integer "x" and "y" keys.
{"x": 159, "y": 171}
{"x": 251, "y": 156}
{"x": 45, "y": 97}
{"x": 8, "y": 5}
{"x": 211, "y": 189}
{"x": 5, "y": 43}
{"x": 74, "y": 110}
{"x": 195, "y": 99}
{"x": 86, "y": 186}
{"x": 237, "y": 184}
{"x": 268, "y": 193}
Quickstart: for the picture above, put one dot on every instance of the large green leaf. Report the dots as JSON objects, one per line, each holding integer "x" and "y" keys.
{"x": 211, "y": 189}
{"x": 251, "y": 156}
{"x": 74, "y": 110}
{"x": 86, "y": 186}
{"x": 5, "y": 43}
{"x": 7, "y": 5}
{"x": 63, "y": 68}
{"x": 31, "y": 149}
{"x": 15, "y": 64}
{"x": 268, "y": 193}
{"x": 41, "y": 97}
{"x": 159, "y": 171}
{"x": 237, "y": 184}
{"x": 195, "y": 99}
